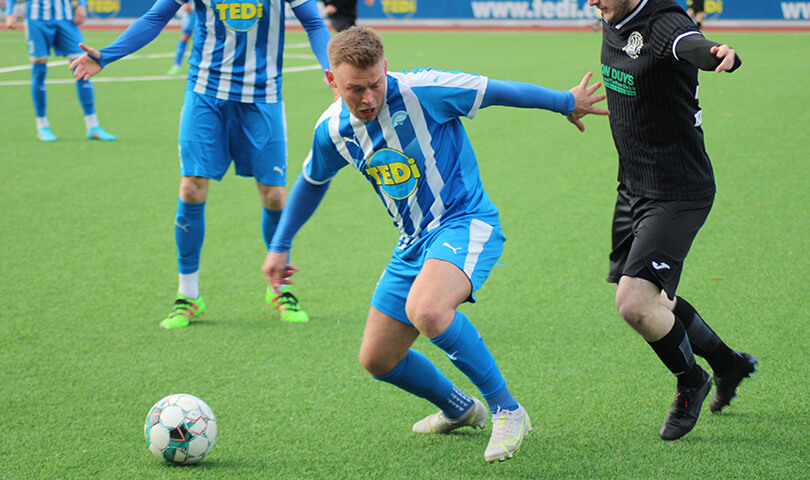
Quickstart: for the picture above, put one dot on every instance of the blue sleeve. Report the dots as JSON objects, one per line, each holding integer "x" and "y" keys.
{"x": 526, "y": 95}
{"x": 301, "y": 204}
{"x": 83, "y": 3}
{"x": 10, "y": 7}
{"x": 141, "y": 32}
{"x": 307, "y": 14}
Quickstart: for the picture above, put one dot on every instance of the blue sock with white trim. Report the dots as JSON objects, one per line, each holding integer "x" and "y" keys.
{"x": 86, "y": 96}
{"x": 270, "y": 220}
{"x": 464, "y": 347}
{"x": 417, "y": 375}
{"x": 189, "y": 234}
{"x": 38, "y": 91}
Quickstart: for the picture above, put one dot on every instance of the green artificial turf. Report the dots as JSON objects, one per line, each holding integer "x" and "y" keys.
{"x": 88, "y": 269}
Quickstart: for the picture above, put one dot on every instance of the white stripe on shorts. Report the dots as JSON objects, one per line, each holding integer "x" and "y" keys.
{"x": 479, "y": 235}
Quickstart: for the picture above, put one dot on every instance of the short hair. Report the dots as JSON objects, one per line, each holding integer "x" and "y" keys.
{"x": 357, "y": 46}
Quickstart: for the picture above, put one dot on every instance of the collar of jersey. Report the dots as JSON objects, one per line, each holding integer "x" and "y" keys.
{"x": 638, "y": 9}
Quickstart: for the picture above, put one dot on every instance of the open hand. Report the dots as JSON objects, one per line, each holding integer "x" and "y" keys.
{"x": 584, "y": 99}
{"x": 87, "y": 65}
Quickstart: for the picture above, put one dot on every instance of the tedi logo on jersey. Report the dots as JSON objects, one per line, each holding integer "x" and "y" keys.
{"x": 395, "y": 173}
{"x": 634, "y": 44}
{"x": 240, "y": 15}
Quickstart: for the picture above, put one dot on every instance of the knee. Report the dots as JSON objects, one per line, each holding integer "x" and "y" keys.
{"x": 374, "y": 363}
{"x": 630, "y": 308}
{"x": 193, "y": 189}
{"x": 429, "y": 319}
{"x": 273, "y": 198}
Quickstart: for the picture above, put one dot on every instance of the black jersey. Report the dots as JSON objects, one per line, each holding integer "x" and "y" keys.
{"x": 654, "y": 113}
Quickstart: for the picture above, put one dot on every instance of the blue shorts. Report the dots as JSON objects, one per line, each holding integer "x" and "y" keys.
{"x": 474, "y": 246}
{"x": 214, "y": 133}
{"x": 189, "y": 22}
{"x": 63, "y": 36}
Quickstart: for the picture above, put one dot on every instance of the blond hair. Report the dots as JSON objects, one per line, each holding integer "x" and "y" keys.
{"x": 360, "y": 47}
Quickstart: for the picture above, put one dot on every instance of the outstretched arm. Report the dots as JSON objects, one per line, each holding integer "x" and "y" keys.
{"x": 705, "y": 54}
{"x": 574, "y": 104}
{"x": 307, "y": 14}
{"x": 141, "y": 32}
{"x": 303, "y": 201}
{"x": 11, "y": 19}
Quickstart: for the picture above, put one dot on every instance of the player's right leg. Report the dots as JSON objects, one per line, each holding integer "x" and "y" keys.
{"x": 637, "y": 302}
{"x": 39, "y": 38}
{"x": 189, "y": 235}
{"x": 39, "y": 70}
{"x": 202, "y": 157}
{"x": 386, "y": 354}
{"x": 651, "y": 240}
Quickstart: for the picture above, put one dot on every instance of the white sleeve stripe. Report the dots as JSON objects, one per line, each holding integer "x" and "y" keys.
{"x": 433, "y": 176}
{"x": 479, "y": 98}
{"x": 295, "y": 3}
{"x": 307, "y": 177}
{"x": 678, "y": 39}
{"x": 337, "y": 140}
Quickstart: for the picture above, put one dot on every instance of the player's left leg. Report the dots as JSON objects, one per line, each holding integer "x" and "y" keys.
{"x": 259, "y": 148}
{"x": 66, "y": 43}
{"x": 273, "y": 199}
{"x": 730, "y": 367}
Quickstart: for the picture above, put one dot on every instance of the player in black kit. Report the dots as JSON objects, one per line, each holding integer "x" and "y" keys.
{"x": 651, "y": 53}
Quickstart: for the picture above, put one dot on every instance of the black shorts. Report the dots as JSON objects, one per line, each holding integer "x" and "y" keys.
{"x": 652, "y": 237}
{"x": 697, "y": 6}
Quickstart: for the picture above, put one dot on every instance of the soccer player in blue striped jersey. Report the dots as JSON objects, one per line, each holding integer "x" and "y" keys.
{"x": 53, "y": 25}
{"x": 232, "y": 112}
{"x": 403, "y": 132}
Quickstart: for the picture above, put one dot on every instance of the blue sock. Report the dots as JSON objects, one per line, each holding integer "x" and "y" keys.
{"x": 465, "y": 348}
{"x": 269, "y": 223}
{"x": 38, "y": 93}
{"x": 180, "y": 52}
{"x": 417, "y": 375}
{"x": 86, "y": 97}
{"x": 189, "y": 233}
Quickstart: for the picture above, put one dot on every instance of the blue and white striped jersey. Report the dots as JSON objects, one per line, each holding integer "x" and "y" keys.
{"x": 46, "y": 9}
{"x": 415, "y": 154}
{"x": 238, "y": 49}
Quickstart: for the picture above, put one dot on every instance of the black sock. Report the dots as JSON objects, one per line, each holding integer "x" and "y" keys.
{"x": 704, "y": 341}
{"x": 676, "y": 353}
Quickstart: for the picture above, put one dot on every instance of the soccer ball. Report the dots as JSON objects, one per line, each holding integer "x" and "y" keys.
{"x": 180, "y": 429}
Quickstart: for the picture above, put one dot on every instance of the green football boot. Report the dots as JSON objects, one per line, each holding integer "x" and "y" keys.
{"x": 287, "y": 305}
{"x": 183, "y": 311}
